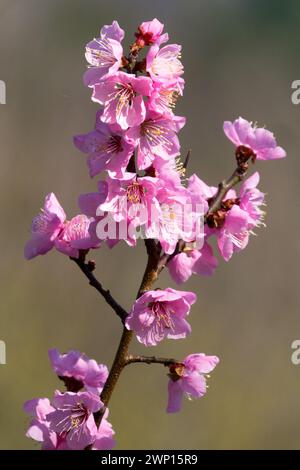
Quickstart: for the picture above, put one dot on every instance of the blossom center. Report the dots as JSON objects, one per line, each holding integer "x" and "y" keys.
{"x": 176, "y": 371}
{"x": 135, "y": 193}
{"x": 77, "y": 415}
{"x": 167, "y": 63}
{"x": 163, "y": 315}
{"x": 112, "y": 145}
{"x": 73, "y": 230}
{"x": 124, "y": 95}
{"x": 167, "y": 99}
{"x": 156, "y": 134}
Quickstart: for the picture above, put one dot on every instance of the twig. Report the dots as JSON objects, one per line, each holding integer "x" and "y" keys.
{"x": 85, "y": 268}
{"x": 150, "y": 360}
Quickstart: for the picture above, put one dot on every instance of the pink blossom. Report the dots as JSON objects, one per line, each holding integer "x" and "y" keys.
{"x": 169, "y": 172}
{"x": 75, "y": 236}
{"x": 130, "y": 198}
{"x": 113, "y": 31}
{"x": 150, "y": 32}
{"x": 229, "y": 224}
{"x": 260, "y": 141}
{"x": 122, "y": 98}
{"x": 104, "y": 54}
{"x": 72, "y": 418}
{"x": 164, "y": 96}
{"x": 51, "y": 229}
{"x": 237, "y": 216}
{"x": 155, "y": 137}
{"x": 179, "y": 212}
{"x": 192, "y": 261}
{"x": 233, "y": 235}
{"x": 161, "y": 314}
{"x": 83, "y": 371}
{"x": 104, "y": 438}
{"x": 45, "y": 228}
{"x": 91, "y": 204}
{"x": 39, "y": 428}
{"x": 106, "y": 149}
{"x": 188, "y": 378}
{"x": 251, "y": 199}
{"x": 200, "y": 191}
{"x": 177, "y": 217}
{"x": 163, "y": 64}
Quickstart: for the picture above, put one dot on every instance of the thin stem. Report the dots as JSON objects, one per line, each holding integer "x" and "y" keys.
{"x": 150, "y": 360}
{"x": 86, "y": 269}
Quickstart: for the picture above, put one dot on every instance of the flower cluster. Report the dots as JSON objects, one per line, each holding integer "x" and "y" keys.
{"x": 143, "y": 192}
{"x": 135, "y": 145}
{"x": 135, "y": 138}
{"x": 67, "y": 422}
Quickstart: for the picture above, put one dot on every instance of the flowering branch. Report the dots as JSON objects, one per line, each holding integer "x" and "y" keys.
{"x": 87, "y": 269}
{"x": 145, "y": 190}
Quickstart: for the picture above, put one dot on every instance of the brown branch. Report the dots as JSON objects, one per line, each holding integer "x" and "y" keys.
{"x": 86, "y": 269}
{"x": 150, "y": 360}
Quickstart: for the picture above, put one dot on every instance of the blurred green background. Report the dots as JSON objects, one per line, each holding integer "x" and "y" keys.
{"x": 240, "y": 58}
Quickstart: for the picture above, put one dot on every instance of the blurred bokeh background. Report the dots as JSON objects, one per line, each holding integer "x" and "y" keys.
{"x": 240, "y": 58}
